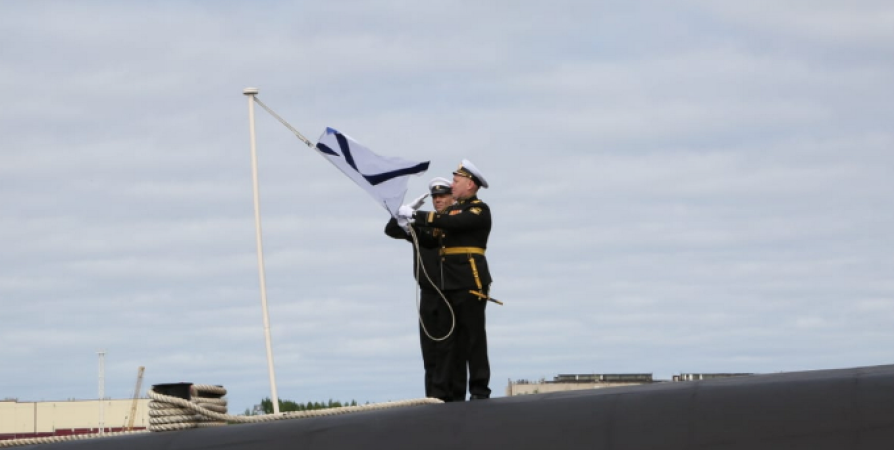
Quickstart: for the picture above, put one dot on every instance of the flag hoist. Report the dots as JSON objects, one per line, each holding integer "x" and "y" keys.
{"x": 383, "y": 178}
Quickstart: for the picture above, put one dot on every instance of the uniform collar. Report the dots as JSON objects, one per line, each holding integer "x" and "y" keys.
{"x": 467, "y": 200}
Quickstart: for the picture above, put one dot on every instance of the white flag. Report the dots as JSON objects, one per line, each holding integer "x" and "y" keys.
{"x": 383, "y": 177}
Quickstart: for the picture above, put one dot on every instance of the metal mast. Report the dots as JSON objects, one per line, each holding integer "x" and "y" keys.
{"x": 251, "y": 93}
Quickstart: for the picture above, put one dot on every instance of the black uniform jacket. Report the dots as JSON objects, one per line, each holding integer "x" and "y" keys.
{"x": 465, "y": 224}
{"x": 430, "y": 256}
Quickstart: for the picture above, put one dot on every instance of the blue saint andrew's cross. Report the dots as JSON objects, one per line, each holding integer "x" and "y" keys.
{"x": 372, "y": 179}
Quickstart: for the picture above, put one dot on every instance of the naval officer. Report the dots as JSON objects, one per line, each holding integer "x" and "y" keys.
{"x": 465, "y": 279}
{"x": 434, "y": 315}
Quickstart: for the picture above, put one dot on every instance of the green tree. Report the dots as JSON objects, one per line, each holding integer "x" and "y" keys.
{"x": 289, "y": 405}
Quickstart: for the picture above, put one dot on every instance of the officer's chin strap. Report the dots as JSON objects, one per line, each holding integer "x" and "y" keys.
{"x": 425, "y": 272}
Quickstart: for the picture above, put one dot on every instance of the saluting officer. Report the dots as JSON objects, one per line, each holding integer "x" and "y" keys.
{"x": 434, "y": 316}
{"x": 465, "y": 278}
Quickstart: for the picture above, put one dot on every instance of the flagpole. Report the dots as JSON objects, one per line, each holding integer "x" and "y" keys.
{"x": 251, "y": 93}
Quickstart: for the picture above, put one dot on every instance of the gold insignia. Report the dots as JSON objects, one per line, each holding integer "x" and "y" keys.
{"x": 476, "y": 201}
{"x": 455, "y": 212}
{"x": 475, "y": 210}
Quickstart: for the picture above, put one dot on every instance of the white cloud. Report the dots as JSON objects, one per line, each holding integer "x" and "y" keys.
{"x": 864, "y": 22}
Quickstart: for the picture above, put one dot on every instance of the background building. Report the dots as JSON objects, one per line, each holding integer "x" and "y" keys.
{"x": 706, "y": 376}
{"x": 37, "y": 419}
{"x": 576, "y": 382}
{"x": 597, "y": 381}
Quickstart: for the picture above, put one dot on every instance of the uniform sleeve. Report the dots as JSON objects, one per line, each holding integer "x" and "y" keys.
{"x": 394, "y": 230}
{"x": 426, "y": 237}
{"x": 474, "y": 217}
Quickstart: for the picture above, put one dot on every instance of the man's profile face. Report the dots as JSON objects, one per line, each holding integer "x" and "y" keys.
{"x": 441, "y": 201}
{"x": 462, "y": 186}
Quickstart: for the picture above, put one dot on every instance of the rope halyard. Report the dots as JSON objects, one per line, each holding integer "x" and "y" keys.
{"x": 418, "y": 292}
{"x": 168, "y": 413}
{"x": 283, "y": 121}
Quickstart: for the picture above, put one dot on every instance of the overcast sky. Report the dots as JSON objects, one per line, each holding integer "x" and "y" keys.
{"x": 703, "y": 187}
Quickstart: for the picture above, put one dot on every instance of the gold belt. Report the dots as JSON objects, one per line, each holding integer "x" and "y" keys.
{"x": 462, "y": 251}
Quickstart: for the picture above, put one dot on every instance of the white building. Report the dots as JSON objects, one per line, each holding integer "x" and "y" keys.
{"x": 32, "y": 419}
{"x": 576, "y": 382}
{"x": 598, "y": 381}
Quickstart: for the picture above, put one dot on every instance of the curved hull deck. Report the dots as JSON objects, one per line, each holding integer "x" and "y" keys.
{"x": 817, "y": 410}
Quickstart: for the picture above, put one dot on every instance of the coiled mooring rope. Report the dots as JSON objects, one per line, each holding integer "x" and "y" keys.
{"x": 205, "y": 416}
{"x": 168, "y": 413}
{"x": 52, "y": 439}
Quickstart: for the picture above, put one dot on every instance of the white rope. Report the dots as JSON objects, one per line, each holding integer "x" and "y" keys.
{"x": 167, "y": 413}
{"x": 283, "y": 121}
{"x": 52, "y": 439}
{"x": 212, "y": 415}
{"x": 418, "y": 292}
{"x": 202, "y": 415}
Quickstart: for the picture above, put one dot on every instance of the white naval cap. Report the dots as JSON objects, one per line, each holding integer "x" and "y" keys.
{"x": 439, "y": 185}
{"x": 468, "y": 170}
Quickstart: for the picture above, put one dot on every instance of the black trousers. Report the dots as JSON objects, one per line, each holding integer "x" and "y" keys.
{"x": 469, "y": 350}
{"x": 442, "y": 378}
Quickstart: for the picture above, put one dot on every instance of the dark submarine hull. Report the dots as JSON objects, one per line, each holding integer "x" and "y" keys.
{"x": 816, "y": 410}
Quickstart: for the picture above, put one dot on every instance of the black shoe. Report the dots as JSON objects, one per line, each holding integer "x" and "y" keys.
{"x": 478, "y": 397}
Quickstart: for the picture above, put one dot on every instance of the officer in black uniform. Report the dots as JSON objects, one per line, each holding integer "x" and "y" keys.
{"x": 435, "y": 318}
{"x": 465, "y": 278}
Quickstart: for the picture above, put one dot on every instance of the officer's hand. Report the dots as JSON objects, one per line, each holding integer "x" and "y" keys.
{"x": 404, "y": 224}
{"x": 406, "y": 212}
{"x": 416, "y": 204}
